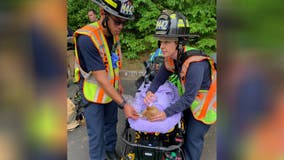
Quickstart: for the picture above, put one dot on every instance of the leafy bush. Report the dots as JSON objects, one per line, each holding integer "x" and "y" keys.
{"x": 137, "y": 37}
{"x": 78, "y": 13}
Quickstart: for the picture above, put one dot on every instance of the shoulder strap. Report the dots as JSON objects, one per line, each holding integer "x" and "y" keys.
{"x": 190, "y": 53}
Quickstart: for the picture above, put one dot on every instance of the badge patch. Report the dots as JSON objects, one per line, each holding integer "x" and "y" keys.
{"x": 126, "y": 9}
{"x": 162, "y": 25}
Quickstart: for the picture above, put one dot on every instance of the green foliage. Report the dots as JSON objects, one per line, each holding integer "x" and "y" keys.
{"x": 138, "y": 37}
{"x": 207, "y": 44}
{"x": 78, "y": 12}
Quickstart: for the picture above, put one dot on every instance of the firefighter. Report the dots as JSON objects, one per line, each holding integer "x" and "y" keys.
{"x": 98, "y": 60}
{"x": 197, "y": 74}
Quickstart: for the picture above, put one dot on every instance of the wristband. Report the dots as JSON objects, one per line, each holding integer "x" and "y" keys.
{"x": 122, "y": 104}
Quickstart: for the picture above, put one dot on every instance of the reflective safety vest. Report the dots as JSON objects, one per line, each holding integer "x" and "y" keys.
{"x": 174, "y": 79}
{"x": 91, "y": 89}
{"x": 204, "y": 107}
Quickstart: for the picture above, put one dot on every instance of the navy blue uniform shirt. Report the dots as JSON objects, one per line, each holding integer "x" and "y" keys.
{"x": 90, "y": 59}
{"x": 197, "y": 78}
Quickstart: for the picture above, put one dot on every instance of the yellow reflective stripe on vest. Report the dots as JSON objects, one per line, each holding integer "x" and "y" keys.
{"x": 91, "y": 89}
{"x": 208, "y": 114}
{"x": 204, "y": 105}
{"x": 199, "y": 101}
{"x": 76, "y": 69}
{"x": 86, "y": 30}
{"x": 94, "y": 93}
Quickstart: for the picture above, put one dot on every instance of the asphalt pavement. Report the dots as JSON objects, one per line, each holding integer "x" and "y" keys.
{"x": 77, "y": 145}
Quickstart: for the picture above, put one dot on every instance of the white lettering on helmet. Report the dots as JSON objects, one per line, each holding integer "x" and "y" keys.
{"x": 162, "y": 25}
{"x": 126, "y": 9}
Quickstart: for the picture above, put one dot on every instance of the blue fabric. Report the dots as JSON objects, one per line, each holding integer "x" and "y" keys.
{"x": 114, "y": 59}
{"x": 194, "y": 139}
{"x": 157, "y": 53}
{"x": 47, "y": 64}
{"x": 197, "y": 77}
{"x": 101, "y": 119}
{"x": 90, "y": 59}
{"x": 101, "y": 123}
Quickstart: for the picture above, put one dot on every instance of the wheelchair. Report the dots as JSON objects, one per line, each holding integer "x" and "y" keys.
{"x": 153, "y": 145}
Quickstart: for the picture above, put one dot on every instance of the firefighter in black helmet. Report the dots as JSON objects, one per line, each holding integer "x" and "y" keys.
{"x": 121, "y": 9}
{"x": 172, "y": 24}
{"x": 98, "y": 61}
{"x": 197, "y": 74}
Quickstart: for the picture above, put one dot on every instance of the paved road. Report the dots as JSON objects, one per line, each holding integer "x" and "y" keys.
{"x": 78, "y": 140}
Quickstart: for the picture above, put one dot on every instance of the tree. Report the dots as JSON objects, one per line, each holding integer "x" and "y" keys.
{"x": 78, "y": 12}
{"x": 137, "y": 37}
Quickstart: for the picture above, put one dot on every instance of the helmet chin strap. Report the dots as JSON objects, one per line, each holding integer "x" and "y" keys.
{"x": 179, "y": 56}
{"x": 105, "y": 24}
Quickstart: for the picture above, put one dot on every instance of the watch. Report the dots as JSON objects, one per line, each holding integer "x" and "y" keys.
{"x": 122, "y": 104}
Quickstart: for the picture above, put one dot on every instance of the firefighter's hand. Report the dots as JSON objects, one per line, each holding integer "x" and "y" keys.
{"x": 158, "y": 117}
{"x": 130, "y": 112}
{"x": 149, "y": 98}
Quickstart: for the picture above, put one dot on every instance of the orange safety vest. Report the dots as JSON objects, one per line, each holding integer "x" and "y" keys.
{"x": 91, "y": 89}
{"x": 204, "y": 107}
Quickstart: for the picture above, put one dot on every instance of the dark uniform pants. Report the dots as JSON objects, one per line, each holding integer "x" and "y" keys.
{"x": 195, "y": 132}
{"x": 101, "y": 120}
